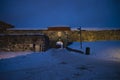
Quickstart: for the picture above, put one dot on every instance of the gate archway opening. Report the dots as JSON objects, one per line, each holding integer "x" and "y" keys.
{"x": 59, "y": 44}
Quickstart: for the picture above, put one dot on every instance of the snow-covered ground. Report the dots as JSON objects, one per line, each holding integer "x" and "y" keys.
{"x": 59, "y": 64}
{"x": 107, "y": 50}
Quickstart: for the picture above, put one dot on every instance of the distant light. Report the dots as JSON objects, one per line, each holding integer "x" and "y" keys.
{"x": 59, "y": 34}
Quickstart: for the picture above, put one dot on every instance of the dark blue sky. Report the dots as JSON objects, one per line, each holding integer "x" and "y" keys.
{"x": 44, "y": 13}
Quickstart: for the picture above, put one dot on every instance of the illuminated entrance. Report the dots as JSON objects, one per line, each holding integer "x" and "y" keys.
{"x": 59, "y": 44}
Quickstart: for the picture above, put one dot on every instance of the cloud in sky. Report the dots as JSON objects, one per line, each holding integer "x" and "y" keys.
{"x": 44, "y": 13}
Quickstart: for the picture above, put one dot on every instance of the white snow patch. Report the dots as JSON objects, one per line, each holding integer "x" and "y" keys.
{"x": 4, "y": 55}
{"x": 107, "y": 50}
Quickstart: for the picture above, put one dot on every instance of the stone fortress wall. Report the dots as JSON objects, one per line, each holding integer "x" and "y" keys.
{"x": 29, "y": 40}
{"x": 20, "y": 42}
{"x": 73, "y": 35}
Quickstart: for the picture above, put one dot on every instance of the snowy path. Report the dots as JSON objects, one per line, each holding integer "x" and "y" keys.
{"x": 58, "y": 64}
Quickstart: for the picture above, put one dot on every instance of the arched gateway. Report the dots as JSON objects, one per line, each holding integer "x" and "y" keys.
{"x": 59, "y": 44}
